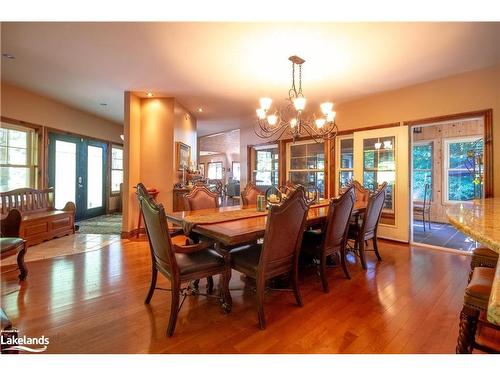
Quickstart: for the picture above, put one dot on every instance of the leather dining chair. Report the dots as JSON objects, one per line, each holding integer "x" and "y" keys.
{"x": 179, "y": 264}
{"x": 332, "y": 238}
{"x": 279, "y": 252}
{"x": 369, "y": 227}
{"x": 249, "y": 195}
{"x": 200, "y": 198}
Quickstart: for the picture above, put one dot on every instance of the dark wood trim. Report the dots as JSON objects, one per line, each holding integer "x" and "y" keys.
{"x": 59, "y": 131}
{"x": 487, "y": 115}
{"x": 21, "y": 123}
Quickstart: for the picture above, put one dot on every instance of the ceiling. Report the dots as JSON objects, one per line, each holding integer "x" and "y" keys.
{"x": 224, "y": 68}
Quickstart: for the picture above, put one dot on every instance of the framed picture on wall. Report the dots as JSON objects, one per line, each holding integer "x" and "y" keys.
{"x": 201, "y": 168}
{"x": 183, "y": 155}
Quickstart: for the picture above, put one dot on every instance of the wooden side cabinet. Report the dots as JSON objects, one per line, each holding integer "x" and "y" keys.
{"x": 178, "y": 201}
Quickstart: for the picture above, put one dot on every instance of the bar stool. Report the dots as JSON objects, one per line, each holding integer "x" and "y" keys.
{"x": 477, "y": 295}
{"x": 153, "y": 193}
{"x": 482, "y": 257}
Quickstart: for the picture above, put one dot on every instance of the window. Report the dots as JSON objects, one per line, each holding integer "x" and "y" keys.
{"x": 265, "y": 173}
{"x": 215, "y": 170}
{"x": 379, "y": 166}
{"x": 236, "y": 170}
{"x": 116, "y": 169}
{"x": 306, "y": 164}
{"x": 463, "y": 166}
{"x": 346, "y": 161}
{"x": 17, "y": 157}
{"x": 422, "y": 169}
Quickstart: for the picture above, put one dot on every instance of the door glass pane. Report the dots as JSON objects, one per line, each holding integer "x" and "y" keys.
{"x": 94, "y": 173}
{"x": 379, "y": 166}
{"x": 65, "y": 185}
{"x": 307, "y": 164}
{"x": 346, "y": 154}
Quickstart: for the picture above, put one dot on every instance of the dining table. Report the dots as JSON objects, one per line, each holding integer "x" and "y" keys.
{"x": 232, "y": 226}
{"x": 480, "y": 220}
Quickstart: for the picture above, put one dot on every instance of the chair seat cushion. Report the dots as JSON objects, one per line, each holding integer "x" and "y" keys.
{"x": 312, "y": 241}
{"x": 198, "y": 261}
{"x": 478, "y": 291}
{"x": 10, "y": 243}
{"x": 246, "y": 258}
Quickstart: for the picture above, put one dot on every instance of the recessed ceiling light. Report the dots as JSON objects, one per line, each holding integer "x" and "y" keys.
{"x": 103, "y": 104}
{"x": 8, "y": 56}
{"x": 149, "y": 94}
{"x": 200, "y": 109}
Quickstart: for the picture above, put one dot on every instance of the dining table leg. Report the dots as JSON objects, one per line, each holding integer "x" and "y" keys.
{"x": 225, "y": 295}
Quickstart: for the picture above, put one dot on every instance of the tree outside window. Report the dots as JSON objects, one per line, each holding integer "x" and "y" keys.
{"x": 422, "y": 169}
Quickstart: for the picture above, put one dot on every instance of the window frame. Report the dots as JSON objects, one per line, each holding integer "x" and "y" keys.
{"x": 31, "y": 152}
{"x": 272, "y": 171}
{"x": 221, "y": 170}
{"x": 446, "y": 162}
{"x": 423, "y": 143}
{"x": 289, "y": 145}
{"x": 111, "y": 169}
{"x": 338, "y": 160}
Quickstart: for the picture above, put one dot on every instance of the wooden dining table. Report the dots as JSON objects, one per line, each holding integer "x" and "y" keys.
{"x": 237, "y": 225}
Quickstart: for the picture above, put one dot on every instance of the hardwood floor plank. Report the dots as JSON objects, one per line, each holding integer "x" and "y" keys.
{"x": 94, "y": 303}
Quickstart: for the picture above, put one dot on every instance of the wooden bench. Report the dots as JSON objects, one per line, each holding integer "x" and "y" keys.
{"x": 40, "y": 220}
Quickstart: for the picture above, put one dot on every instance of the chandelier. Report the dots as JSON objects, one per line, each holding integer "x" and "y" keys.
{"x": 290, "y": 119}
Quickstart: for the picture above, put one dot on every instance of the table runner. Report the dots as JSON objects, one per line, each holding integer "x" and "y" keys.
{"x": 191, "y": 220}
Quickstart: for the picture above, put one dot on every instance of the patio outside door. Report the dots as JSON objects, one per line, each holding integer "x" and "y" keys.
{"x": 381, "y": 155}
{"x": 77, "y": 171}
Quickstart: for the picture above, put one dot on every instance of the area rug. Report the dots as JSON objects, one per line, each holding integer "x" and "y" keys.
{"x": 105, "y": 224}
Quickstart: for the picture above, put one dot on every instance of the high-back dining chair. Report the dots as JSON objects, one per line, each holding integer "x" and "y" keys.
{"x": 249, "y": 195}
{"x": 280, "y": 250}
{"x": 200, "y": 198}
{"x": 362, "y": 194}
{"x": 179, "y": 264}
{"x": 369, "y": 227}
{"x": 332, "y": 238}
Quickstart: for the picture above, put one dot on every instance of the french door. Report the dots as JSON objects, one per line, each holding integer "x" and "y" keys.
{"x": 77, "y": 171}
{"x": 376, "y": 156}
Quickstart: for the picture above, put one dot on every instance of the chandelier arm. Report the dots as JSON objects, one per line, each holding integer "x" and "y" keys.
{"x": 270, "y": 133}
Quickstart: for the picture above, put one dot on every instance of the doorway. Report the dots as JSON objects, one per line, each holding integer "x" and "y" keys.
{"x": 447, "y": 167}
{"x": 77, "y": 171}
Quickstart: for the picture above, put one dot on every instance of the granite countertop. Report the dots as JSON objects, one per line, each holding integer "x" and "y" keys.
{"x": 480, "y": 220}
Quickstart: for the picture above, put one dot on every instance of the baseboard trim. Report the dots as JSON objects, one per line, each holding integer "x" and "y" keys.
{"x": 133, "y": 233}
{"x": 440, "y": 248}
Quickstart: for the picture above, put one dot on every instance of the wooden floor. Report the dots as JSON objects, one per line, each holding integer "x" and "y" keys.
{"x": 93, "y": 303}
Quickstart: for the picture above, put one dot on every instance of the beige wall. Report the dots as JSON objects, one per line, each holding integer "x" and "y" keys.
{"x": 151, "y": 127}
{"x": 185, "y": 132}
{"x": 28, "y": 106}
{"x": 466, "y": 92}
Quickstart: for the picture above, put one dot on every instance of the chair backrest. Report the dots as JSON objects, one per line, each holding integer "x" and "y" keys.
{"x": 10, "y": 224}
{"x": 362, "y": 194}
{"x": 27, "y": 200}
{"x": 284, "y": 230}
{"x": 156, "y": 228}
{"x": 337, "y": 224}
{"x": 200, "y": 198}
{"x": 249, "y": 195}
{"x": 373, "y": 212}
